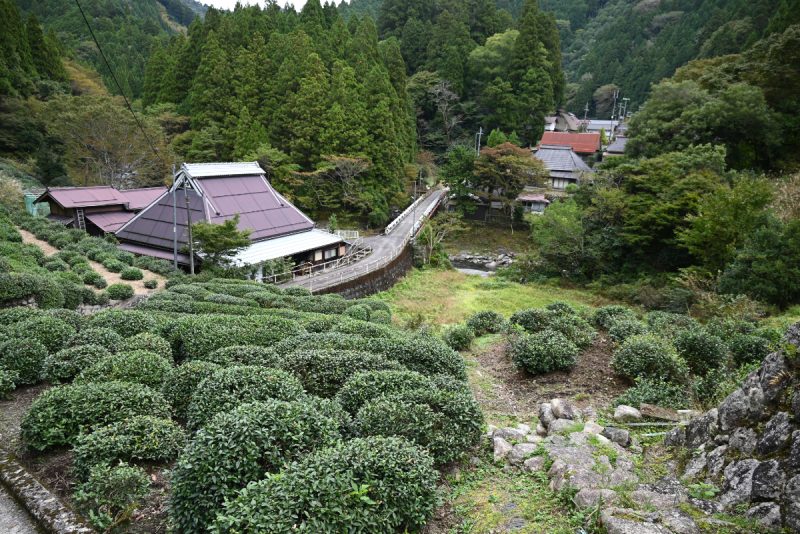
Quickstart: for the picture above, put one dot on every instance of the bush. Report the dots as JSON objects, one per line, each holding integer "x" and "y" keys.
{"x": 16, "y": 286}
{"x": 120, "y": 291}
{"x": 746, "y": 348}
{"x": 56, "y": 265}
{"x": 446, "y": 423}
{"x": 243, "y": 355}
{"x": 486, "y": 322}
{"x": 115, "y": 266}
{"x": 126, "y": 323}
{"x": 458, "y": 337}
{"x": 229, "y": 387}
{"x": 324, "y": 372}
{"x": 622, "y": 329}
{"x": 297, "y": 291}
{"x": 181, "y": 383}
{"x": 141, "y": 438}
{"x": 649, "y": 356}
{"x": 577, "y": 330}
{"x": 364, "y": 485}
{"x": 655, "y": 391}
{"x": 543, "y": 352}
{"x": 112, "y": 494}
{"x": 606, "y": 316}
{"x": 9, "y": 316}
{"x": 358, "y": 311}
{"x": 131, "y": 273}
{"x": 700, "y": 350}
{"x": 136, "y": 366}
{"x": 365, "y": 386}
{"x": 100, "y": 298}
{"x": 24, "y": 357}
{"x": 150, "y": 343}
{"x": 381, "y": 317}
{"x": 239, "y": 447}
{"x": 60, "y": 414}
{"x": 230, "y": 300}
{"x": 8, "y": 382}
{"x": 531, "y": 320}
{"x": 68, "y": 363}
{"x": 95, "y": 279}
{"x": 669, "y": 324}
{"x": 151, "y": 284}
{"x": 51, "y": 332}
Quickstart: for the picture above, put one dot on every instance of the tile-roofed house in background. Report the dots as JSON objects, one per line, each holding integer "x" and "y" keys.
{"x": 617, "y": 147}
{"x": 583, "y": 144}
{"x": 97, "y": 209}
{"x": 565, "y": 166}
{"x": 217, "y": 192}
{"x": 533, "y": 202}
{"x": 607, "y": 125}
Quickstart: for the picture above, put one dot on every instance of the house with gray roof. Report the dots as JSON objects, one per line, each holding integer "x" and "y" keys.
{"x": 564, "y": 165}
{"x": 617, "y": 147}
{"x": 216, "y": 192}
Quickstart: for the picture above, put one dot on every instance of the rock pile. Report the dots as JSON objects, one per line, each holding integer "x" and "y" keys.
{"x": 483, "y": 262}
{"x": 749, "y": 446}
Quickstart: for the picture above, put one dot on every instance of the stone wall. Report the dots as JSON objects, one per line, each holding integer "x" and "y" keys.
{"x": 749, "y": 446}
{"x": 376, "y": 281}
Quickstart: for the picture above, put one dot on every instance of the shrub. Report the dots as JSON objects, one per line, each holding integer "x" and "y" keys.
{"x": 56, "y": 265}
{"x": 9, "y": 316}
{"x": 131, "y": 273}
{"x": 486, "y": 322}
{"x": 712, "y": 389}
{"x": 112, "y": 494}
{"x": 242, "y": 446}
{"x": 372, "y": 484}
{"x": 358, "y": 311}
{"x": 364, "y": 329}
{"x": 141, "y": 438}
{"x": 120, "y": 291}
{"x": 669, "y": 324}
{"x": 229, "y": 387}
{"x": 24, "y": 357}
{"x": 365, "y": 386}
{"x": 543, "y": 352}
{"x": 446, "y": 423}
{"x": 577, "y": 330}
{"x": 532, "y": 320}
{"x": 15, "y": 286}
{"x": 230, "y": 300}
{"x": 297, "y": 291}
{"x": 458, "y": 337}
{"x": 60, "y": 414}
{"x": 649, "y": 356}
{"x": 622, "y": 329}
{"x": 700, "y": 350}
{"x": 71, "y": 317}
{"x": 8, "y": 381}
{"x": 746, "y": 348}
{"x": 381, "y": 317}
{"x": 181, "y": 383}
{"x": 655, "y": 391}
{"x": 115, "y": 266}
{"x": 606, "y": 316}
{"x": 324, "y": 372}
{"x": 137, "y": 366}
{"x": 151, "y": 284}
{"x": 51, "y": 332}
{"x": 126, "y": 323}
{"x": 67, "y": 363}
{"x": 561, "y": 308}
{"x": 243, "y": 355}
{"x": 95, "y": 279}
{"x": 150, "y": 343}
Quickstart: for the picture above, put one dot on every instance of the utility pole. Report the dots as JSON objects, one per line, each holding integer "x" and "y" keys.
{"x": 614, "y": 111}
{"x": 174, "y": 222}
{"x": 478, "y": 142}
{"x": 189, "y": 227}
{"x": 625, "y": 108}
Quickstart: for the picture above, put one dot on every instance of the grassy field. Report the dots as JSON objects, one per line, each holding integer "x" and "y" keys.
{"x": 487, "y": 239}
{"x": 447, "y": 297}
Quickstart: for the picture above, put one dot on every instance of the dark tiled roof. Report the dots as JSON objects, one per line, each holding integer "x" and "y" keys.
{"x": 560, "y": 158}
{"x": 618, "y": 146}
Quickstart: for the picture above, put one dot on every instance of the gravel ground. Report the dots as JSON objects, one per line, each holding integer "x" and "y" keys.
{"x": 13, "y": 518}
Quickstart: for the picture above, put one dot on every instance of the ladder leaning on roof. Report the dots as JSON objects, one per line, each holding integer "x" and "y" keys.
{"x": 81, "y": 220}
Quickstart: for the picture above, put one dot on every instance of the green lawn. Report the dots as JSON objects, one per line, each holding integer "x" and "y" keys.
{"x": 447, "y": 297}
{"x": 486, "y": 239}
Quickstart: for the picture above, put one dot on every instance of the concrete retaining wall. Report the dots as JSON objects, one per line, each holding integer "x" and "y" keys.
{"x": 375, "y": 281}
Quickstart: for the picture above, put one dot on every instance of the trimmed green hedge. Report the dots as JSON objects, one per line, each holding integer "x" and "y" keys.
{"x": 120, "y": 291}
{"x": 25, "y": 357}
{"x": 365, "y": 386}
{"x": 622, "y": 329}
{"x": 136, "y": 366}
{"x": 486, "y": 322}
{"x": 243, "y": 355}
{"x": 181, "y": 383}
{"x": 51, "y": 332}
{"x": 151, "y": 343}
{"x": 131, "y": 273}
{"x": 543, "y": 352}
{"x": 606, "y": 316}
{"x": 104, "y": 337}
{"x": 126, "y": 323}
{"x": 68, "y": 363}
{"x": 8, "y": 381}
{"x": 229, "y": 387}
{"x": 702, "y": 351}
{"x": 140, "y": 438}
{"x": 239, "y": 447}
{"x": 60, "y": 414}
{"x": 458, "y": 337}
{"x": 364, "y": 485}
{"x": 649, "y": 356}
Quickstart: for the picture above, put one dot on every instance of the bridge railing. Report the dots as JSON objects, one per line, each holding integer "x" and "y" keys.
{"x": 395, "y": 223}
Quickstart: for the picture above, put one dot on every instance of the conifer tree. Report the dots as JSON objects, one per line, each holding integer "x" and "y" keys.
{"x": 210, "y": 96}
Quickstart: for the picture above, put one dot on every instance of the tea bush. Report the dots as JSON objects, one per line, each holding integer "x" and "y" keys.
{"x": 372, "y": 484}
{"x": 746, "y": 348}
{"x": 8, "y": 381}
{"x": 60, "y": 414}
{"x": 131, "y": 273}
{"x": 150, "y": 343}
{"x": 136, "y": 366}
{"x": 112, "y": 494}
{"x": 138, "y": 439}
{"x": 702, "y": 351}
{"x": 120, "y": 291}
{"x": 181, "y": 383}
{"x": 606, "y": 316}
{"x": 229, "y": 387}
{"x": 543, "y": 352}
{"x": 486, "y": 322}
{"x": 669, "y": 324}
{"x": 51, "y": 332}
{"x": 243, "y": 355}
{"x": 242, "y": 446}
{"x": 151, "y": 284}
{"x": 24, "y": 357}
{"x": 649, "y": 356}
{"x": 366, "y": 386}
{"x": 622, "y": 329}
{"x": 104, "y": 337}
{"x": 458, "y": 337}
{"x": 531, "y": 320}
{"x": 655, "y": 391}
{"x": 126, "y": 323}
{"x": 68, "y": 363}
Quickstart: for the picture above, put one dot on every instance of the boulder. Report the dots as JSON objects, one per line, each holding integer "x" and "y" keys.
{"x": 694, "y": 467}
{"x": 501, "y": 448}
{"x": 675, "y": 437}
{"x": 509, "y": 434}
{"x": 620, "y": 521}
{"x": 768, "y": 481}
{"x": 626, "y": 414}
{"x": 534, "y": 464}
{"x": 738, "y": 482}
{"x": 659, "y": 412}
{"x": 773, "y": 376}
{"x": 541, "y": 430}
{"x": 520, "y": 452}
{"x": 525, "y": 429}
{"x": 560, "y": 425}
{"x": 775, "y": 436}
{"x": 533, "y": 438}
{"x": 701, "y": 429}
{"x": 715, "y": 462}
{"x": 679, "y": 522}
{"x": 743, "y": 440}
{"x": 766, "y": 514}
{"x": 647, "y": 498}
{"x": 792, "y": 335}
{"x": 792, "y": 507}
{"x": 742, "y": 407}
{"x": 592, "y": 428}
{"x": 793, "y": 461}
{"x": 589, "y": 497}
{"x": 617, "y": 435}
{"x": 545, "y": 414}
{"x": 562, "y": 409}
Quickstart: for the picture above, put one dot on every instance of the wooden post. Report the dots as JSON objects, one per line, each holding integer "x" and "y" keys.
{"x": 189, "y": 227}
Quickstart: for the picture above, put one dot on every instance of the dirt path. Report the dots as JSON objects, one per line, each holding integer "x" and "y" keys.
{"x": 111, "y": 278}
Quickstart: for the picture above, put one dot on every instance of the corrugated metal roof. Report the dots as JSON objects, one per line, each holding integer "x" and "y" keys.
{"x": 285, "y": 246}
{"x": 110, "y": 221}
{"x": 202, "y": 170}
{"x": 154, "y": 252}
{"x": 82, "y": 197}
{"x": 139, "y": 199}
{"x": 582, "y": 143}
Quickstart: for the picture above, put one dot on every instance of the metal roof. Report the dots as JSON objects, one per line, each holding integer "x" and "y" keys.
{"x": 582, "y": 143}
{"x": 618, "y": 146}
{"x": 110, "y": 221}
{"x": 288, "y": 245}
{"x": 202, "y": 170}
{"x": 138, "y": 199}
{"x": 154, "y": 252}
{"x": 82, "y": 197}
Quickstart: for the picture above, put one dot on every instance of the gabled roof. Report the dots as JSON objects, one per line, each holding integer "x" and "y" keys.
{"x": 217, "y": 192}
{"x": 83, "y": 197}
{"x": 138, "y": 199}
{"x": 560, "y": 159}
{"x": 618, "y": 146}
{"x": 582, "y": 143}
{"x": 110, "y": 221}
{"x": 595, "y": 125}
{"x": 527, "y": 196}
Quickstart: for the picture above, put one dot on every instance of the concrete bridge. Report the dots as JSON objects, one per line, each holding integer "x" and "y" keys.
{"x": 386, "y": 248}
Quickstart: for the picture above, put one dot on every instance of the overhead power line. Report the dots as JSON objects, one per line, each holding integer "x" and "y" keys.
{"x": 116, "y": 82}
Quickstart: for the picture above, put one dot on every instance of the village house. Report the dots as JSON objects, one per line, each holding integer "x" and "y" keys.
{"x": 617, "y": 147}
{"x": 97, "y": 209}
{"x": 562, "y": 121}
{"x": 564, "y": 165}
{"x": 216, "y": 192}
{"x": 532, "y": 202}
{"x": 586, "y": 145}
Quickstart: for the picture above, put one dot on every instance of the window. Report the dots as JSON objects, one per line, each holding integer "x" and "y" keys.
{"x": 318, "y": 255}
{"x": 330, "y": 253}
